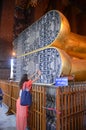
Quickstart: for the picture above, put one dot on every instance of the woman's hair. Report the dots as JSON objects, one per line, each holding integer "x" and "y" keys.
{"x": 23, "y": 79}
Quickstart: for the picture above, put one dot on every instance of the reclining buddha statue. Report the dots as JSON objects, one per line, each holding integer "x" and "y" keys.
{"x": 49, "y": 45}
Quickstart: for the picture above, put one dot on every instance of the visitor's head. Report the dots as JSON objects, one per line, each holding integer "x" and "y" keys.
{"x": 23, "y": 79}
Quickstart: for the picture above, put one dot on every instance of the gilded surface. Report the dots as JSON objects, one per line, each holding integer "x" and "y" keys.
{"x": 75, "y": 46}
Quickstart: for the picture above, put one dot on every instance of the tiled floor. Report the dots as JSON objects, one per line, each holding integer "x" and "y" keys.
{"x": 7, "y": 122}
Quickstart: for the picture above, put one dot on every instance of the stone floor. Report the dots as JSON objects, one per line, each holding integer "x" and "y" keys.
{"x": 7, "y": 122}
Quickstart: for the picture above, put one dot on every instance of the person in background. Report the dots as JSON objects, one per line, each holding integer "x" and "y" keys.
{"x": 22, "y": 111}
{"x": 1, "y": 97}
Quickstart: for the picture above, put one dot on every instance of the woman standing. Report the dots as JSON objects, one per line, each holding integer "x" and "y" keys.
{"x": 22, "y": 111}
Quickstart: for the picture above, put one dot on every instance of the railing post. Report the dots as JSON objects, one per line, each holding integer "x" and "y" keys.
{"x": 58, "y": 108}
{"x": 9, "y": 112}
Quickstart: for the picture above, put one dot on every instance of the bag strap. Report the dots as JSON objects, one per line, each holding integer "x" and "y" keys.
{"x": 24, "y": 87}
